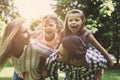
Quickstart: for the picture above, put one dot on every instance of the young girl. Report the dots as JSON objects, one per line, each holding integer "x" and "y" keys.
{"x": 75, "y": 25}
{"x": 23, "y": 53}
{"x": 49, "y": 35}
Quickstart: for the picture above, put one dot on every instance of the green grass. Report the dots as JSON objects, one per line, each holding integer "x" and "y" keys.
{"x": 112, "y": 74}
{"x": 109, "y": 74}
{"x": 5, "y": 78}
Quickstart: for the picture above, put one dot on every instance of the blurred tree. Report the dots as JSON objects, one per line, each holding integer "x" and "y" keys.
{"x": 36, "y": 24}
{"x": 7, "y": 10}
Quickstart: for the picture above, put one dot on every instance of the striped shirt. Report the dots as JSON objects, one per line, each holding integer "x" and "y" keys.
{"x": 27, "y": 65}
{"x": 95, "y": 61}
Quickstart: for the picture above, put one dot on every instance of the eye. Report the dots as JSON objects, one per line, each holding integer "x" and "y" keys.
{"x": 70, "y": 20}
{"x": 77, "y": 20}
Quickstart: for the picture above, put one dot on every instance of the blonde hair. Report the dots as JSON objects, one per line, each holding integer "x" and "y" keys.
{"x": 6, "y": 41}
{"x": 54, "y": 17}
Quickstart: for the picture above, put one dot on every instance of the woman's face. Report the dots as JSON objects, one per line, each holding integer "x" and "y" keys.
{"x": 23, "y": 35}
{"x": 74, "y": 22}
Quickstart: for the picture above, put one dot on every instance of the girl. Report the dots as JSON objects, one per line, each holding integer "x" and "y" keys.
{"x": 23, "y": 53}
{"x": 75, "y": 24}
{"x": 51, "y": 30}
{"x": 49, "y": 35}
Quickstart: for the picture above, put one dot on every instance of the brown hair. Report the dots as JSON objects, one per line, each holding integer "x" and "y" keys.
{"x": 75, "y": 46}
{"x": 66, "y": 31}
{"x": 10, "y": 31}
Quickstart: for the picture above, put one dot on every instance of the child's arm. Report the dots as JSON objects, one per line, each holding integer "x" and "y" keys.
{"x": 42, "y": 49}
{"x": 96, "y": 44}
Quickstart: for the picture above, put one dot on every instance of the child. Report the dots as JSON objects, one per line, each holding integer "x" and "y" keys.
{"x": 49, "y": 35}
{"x": 51, "y": 27}
{"x": 71, "y": 59}
{"x": 23, "y": 53}
{"x": 75, "y": 25}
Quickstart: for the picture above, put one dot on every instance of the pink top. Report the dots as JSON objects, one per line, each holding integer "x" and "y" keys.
{"x": 41, "y": 38}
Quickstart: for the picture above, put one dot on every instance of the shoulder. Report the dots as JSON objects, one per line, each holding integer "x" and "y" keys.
{"x": 87, "y": 32}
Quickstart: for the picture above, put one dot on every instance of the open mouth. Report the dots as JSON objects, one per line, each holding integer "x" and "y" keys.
{"x": 74, "y": 27}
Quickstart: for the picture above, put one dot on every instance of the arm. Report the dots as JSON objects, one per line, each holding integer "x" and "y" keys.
{"x": 96, "y": 44}
{"x": 41, "y": 49}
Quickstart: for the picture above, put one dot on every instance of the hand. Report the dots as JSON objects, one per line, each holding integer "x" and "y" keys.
{"x": 110, "y": 63}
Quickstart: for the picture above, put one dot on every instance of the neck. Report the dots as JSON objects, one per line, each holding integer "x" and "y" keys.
{"x": 49, "y": 37}
{"x": 17, "y": 51}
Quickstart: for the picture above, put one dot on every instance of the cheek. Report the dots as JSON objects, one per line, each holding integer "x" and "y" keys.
{"x": 27, "y": 35}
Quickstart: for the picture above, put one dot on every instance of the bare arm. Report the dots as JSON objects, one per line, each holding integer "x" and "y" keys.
{"x": 96, "y": 44}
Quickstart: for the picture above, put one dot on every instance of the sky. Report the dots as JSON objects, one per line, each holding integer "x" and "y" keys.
{"x": 33, "y": 9}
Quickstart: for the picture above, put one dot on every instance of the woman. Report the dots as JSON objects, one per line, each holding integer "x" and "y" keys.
{"x": 24, "y": 53}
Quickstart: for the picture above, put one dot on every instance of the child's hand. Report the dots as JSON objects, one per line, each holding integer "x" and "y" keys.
{"x": 110, "y": 63}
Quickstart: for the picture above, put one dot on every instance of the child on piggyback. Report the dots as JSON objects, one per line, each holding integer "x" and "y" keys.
{"x": 71, "y": 58}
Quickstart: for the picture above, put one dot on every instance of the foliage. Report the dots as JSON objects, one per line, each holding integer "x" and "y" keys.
{"x": 36, "y": 24}
{"x": 7, "y": 10}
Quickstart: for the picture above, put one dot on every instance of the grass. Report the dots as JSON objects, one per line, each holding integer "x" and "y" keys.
{"x": 109, "y": 74}
{"x": 112, "y": 74}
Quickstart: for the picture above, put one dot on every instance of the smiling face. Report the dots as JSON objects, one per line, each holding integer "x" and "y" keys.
{"x": 50, "y": 26}
{"x": 23, "y": 36}
{"x": 74, "y": 22}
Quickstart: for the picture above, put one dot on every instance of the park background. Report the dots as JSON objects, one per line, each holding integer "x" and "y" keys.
{"x": 102, "y": 17}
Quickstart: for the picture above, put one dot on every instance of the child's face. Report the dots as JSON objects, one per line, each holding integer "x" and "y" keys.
{"x": 74, "y": 22}
{"x": 62, "y": 54}
{"x": 50, "y": 26}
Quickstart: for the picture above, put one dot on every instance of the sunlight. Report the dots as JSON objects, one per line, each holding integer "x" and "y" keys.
{"x": 32, "y": 9}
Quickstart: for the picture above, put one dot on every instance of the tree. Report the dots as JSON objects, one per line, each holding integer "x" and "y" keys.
{"x": 7, "y": 10}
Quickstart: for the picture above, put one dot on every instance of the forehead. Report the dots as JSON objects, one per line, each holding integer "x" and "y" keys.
{"x": 49, "y": 20}
{"x": 23, "y": 27}
{"x": 74, "y": 15}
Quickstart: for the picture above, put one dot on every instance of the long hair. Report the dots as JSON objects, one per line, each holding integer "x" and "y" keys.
{"x": 6, "y": 41}
{"x": 66, "y": 31}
